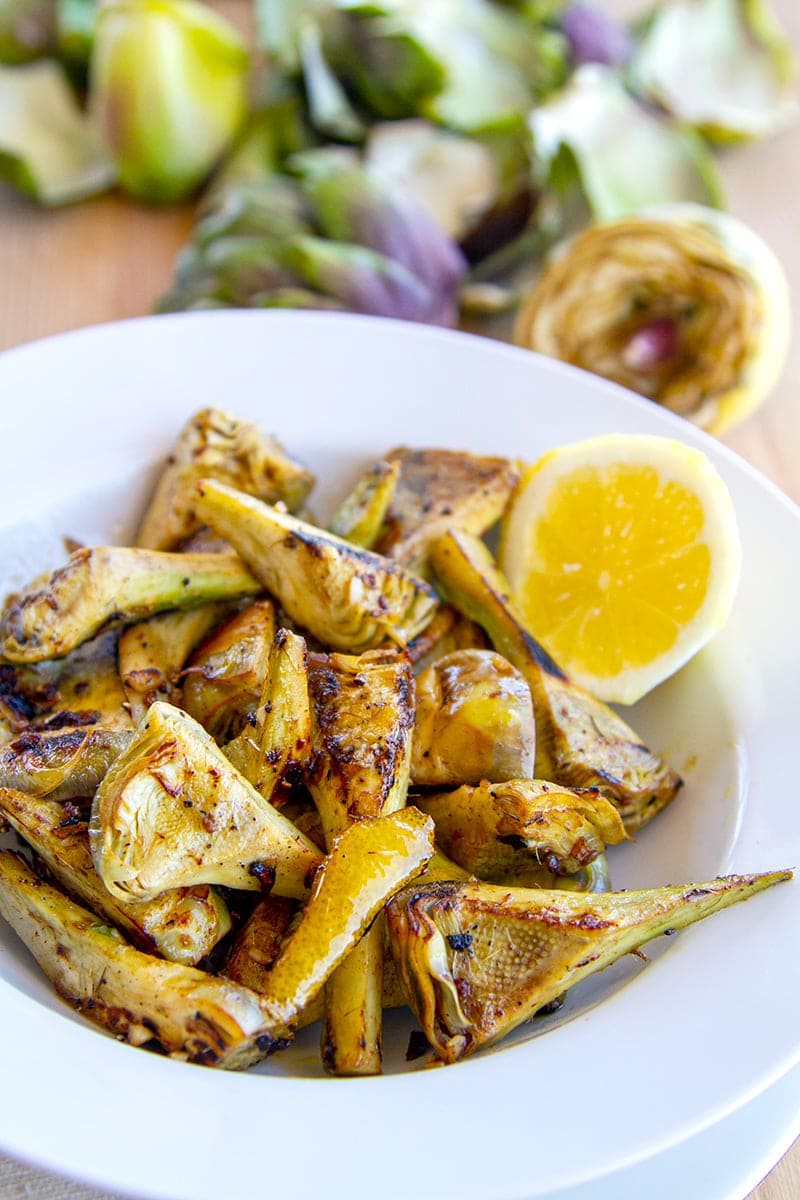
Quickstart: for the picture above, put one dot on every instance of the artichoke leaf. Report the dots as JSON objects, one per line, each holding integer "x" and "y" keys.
{"x": 348, "y": 598}
{"x": 623, "y": 156}
{"x": 522, "y": 830}
{"x": 478, "y": 960}
{"x": 473, "y": 721}
{"x": 215, "y": 445}
{"x": 182, "y": 925}
{"x": 683, "y": 304}
{"x": 190, "y": 1014}
{"x": 174, "y": 812}
{"x": 723, "y": 66}
{"x": 104, "y": 585}
{"x": 580, "y": 741}
{"x": 48, "y": 147}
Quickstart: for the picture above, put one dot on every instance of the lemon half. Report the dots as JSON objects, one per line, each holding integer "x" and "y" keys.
{"x": 623, "y": 554}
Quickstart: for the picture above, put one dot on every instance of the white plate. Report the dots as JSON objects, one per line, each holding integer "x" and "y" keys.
{"x": 641, "y": 1058}
{"x": 723, "y": 1163}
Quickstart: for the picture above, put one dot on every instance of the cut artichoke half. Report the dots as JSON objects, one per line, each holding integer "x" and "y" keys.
{"x": 48, "y": 148}
{"x": 225, "y": 676}
{"x": 276, "y": 742}
{"x": 724, "y": 66}
{"x": 190, "y": 1014}
{"x": 215, "y": 445}
{"x": 473, "y": 721}
{"x": 174, "y": 812}
{"x": 102, "y": 586}
{"x": 681, "y": 303}
{"x": 524, "y": 830}
{"x": 623, "y": 155}
{"x": 348, "y": 598}
{"x": 477, "y": 960}
{"x": 580, "y": 741}
{"x": 182, "y": 925}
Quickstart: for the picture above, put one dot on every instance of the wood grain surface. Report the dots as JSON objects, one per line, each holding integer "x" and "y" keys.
{"x": 110, "y": 258}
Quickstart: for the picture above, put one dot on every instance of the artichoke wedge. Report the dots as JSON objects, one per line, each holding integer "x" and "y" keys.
{"x": 349, "y": 599}
{"x": 173, "y": 812}
{"x": 359, "y": 518}
{"x": 477, "y": 960}
{"x": 141, "y": 999}
{"x": 580, "y": 741}
{"x": 215, "y": 445}
{"x": 439, "y": 490}
{"x": 61, "y": 764}
{"x": 523, "y": 831}
{"x": 366, "y": 866}
{"x": 449, "y": 631}
{"x": 104, "y": 585}
{"x": 276, "y": 743}
{"x": 363, "y": 716}
{"x": 473, "y": 721}
{"x": 683, "y": 304}
{"x": 182, "y": 925}
{"x": 153, "y": 652}
{"x": 224, "y": 678}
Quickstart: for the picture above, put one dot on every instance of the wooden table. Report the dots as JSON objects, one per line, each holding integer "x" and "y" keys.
{"x": 109, "y": 258}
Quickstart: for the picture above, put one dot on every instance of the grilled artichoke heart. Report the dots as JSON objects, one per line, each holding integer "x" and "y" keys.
{"x": 522, "y": 831}
{"x": 215, "y": 445}
{"x": 473, "y": 721}
{"x": 438, "y": 490}
{"x": 111, "y": 584}
{"x": 182, "y": 925}
{"x": 224, "y": 677}
{"x": 173, "y": 812}
{"x": 359, "y": 518}
{"x": 153, "y": 652}
{"x": 276, "y": 742}
{"x": 580, "y": 742}
{"x": 61, "y": 764}
{"x": 349, "y": 599}
{"x": 189, "y": 1014}
{"x": 685, "y": 305}
{"x": 477, "y": 960}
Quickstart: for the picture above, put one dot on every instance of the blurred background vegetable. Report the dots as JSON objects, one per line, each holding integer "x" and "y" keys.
{"x": 410, "y": 158}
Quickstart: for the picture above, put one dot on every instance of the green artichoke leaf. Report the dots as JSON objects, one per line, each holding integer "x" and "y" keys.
{"x": 169, "y": 88}
{"x": 329, "y": 107}
{"x": 48, "y": 148}
{"x": 622, "y": 156}
{"x": 722, "y": 66}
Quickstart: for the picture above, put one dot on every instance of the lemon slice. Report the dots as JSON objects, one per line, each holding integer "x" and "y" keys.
{"x": 623, "y": 554}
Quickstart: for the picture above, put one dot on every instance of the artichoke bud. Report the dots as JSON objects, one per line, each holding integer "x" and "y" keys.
{"x": 364, "y": 281}
{"x": 169, "y": 85}
{"x": 683, "y": 304}
{"x": 351, "y": 206}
